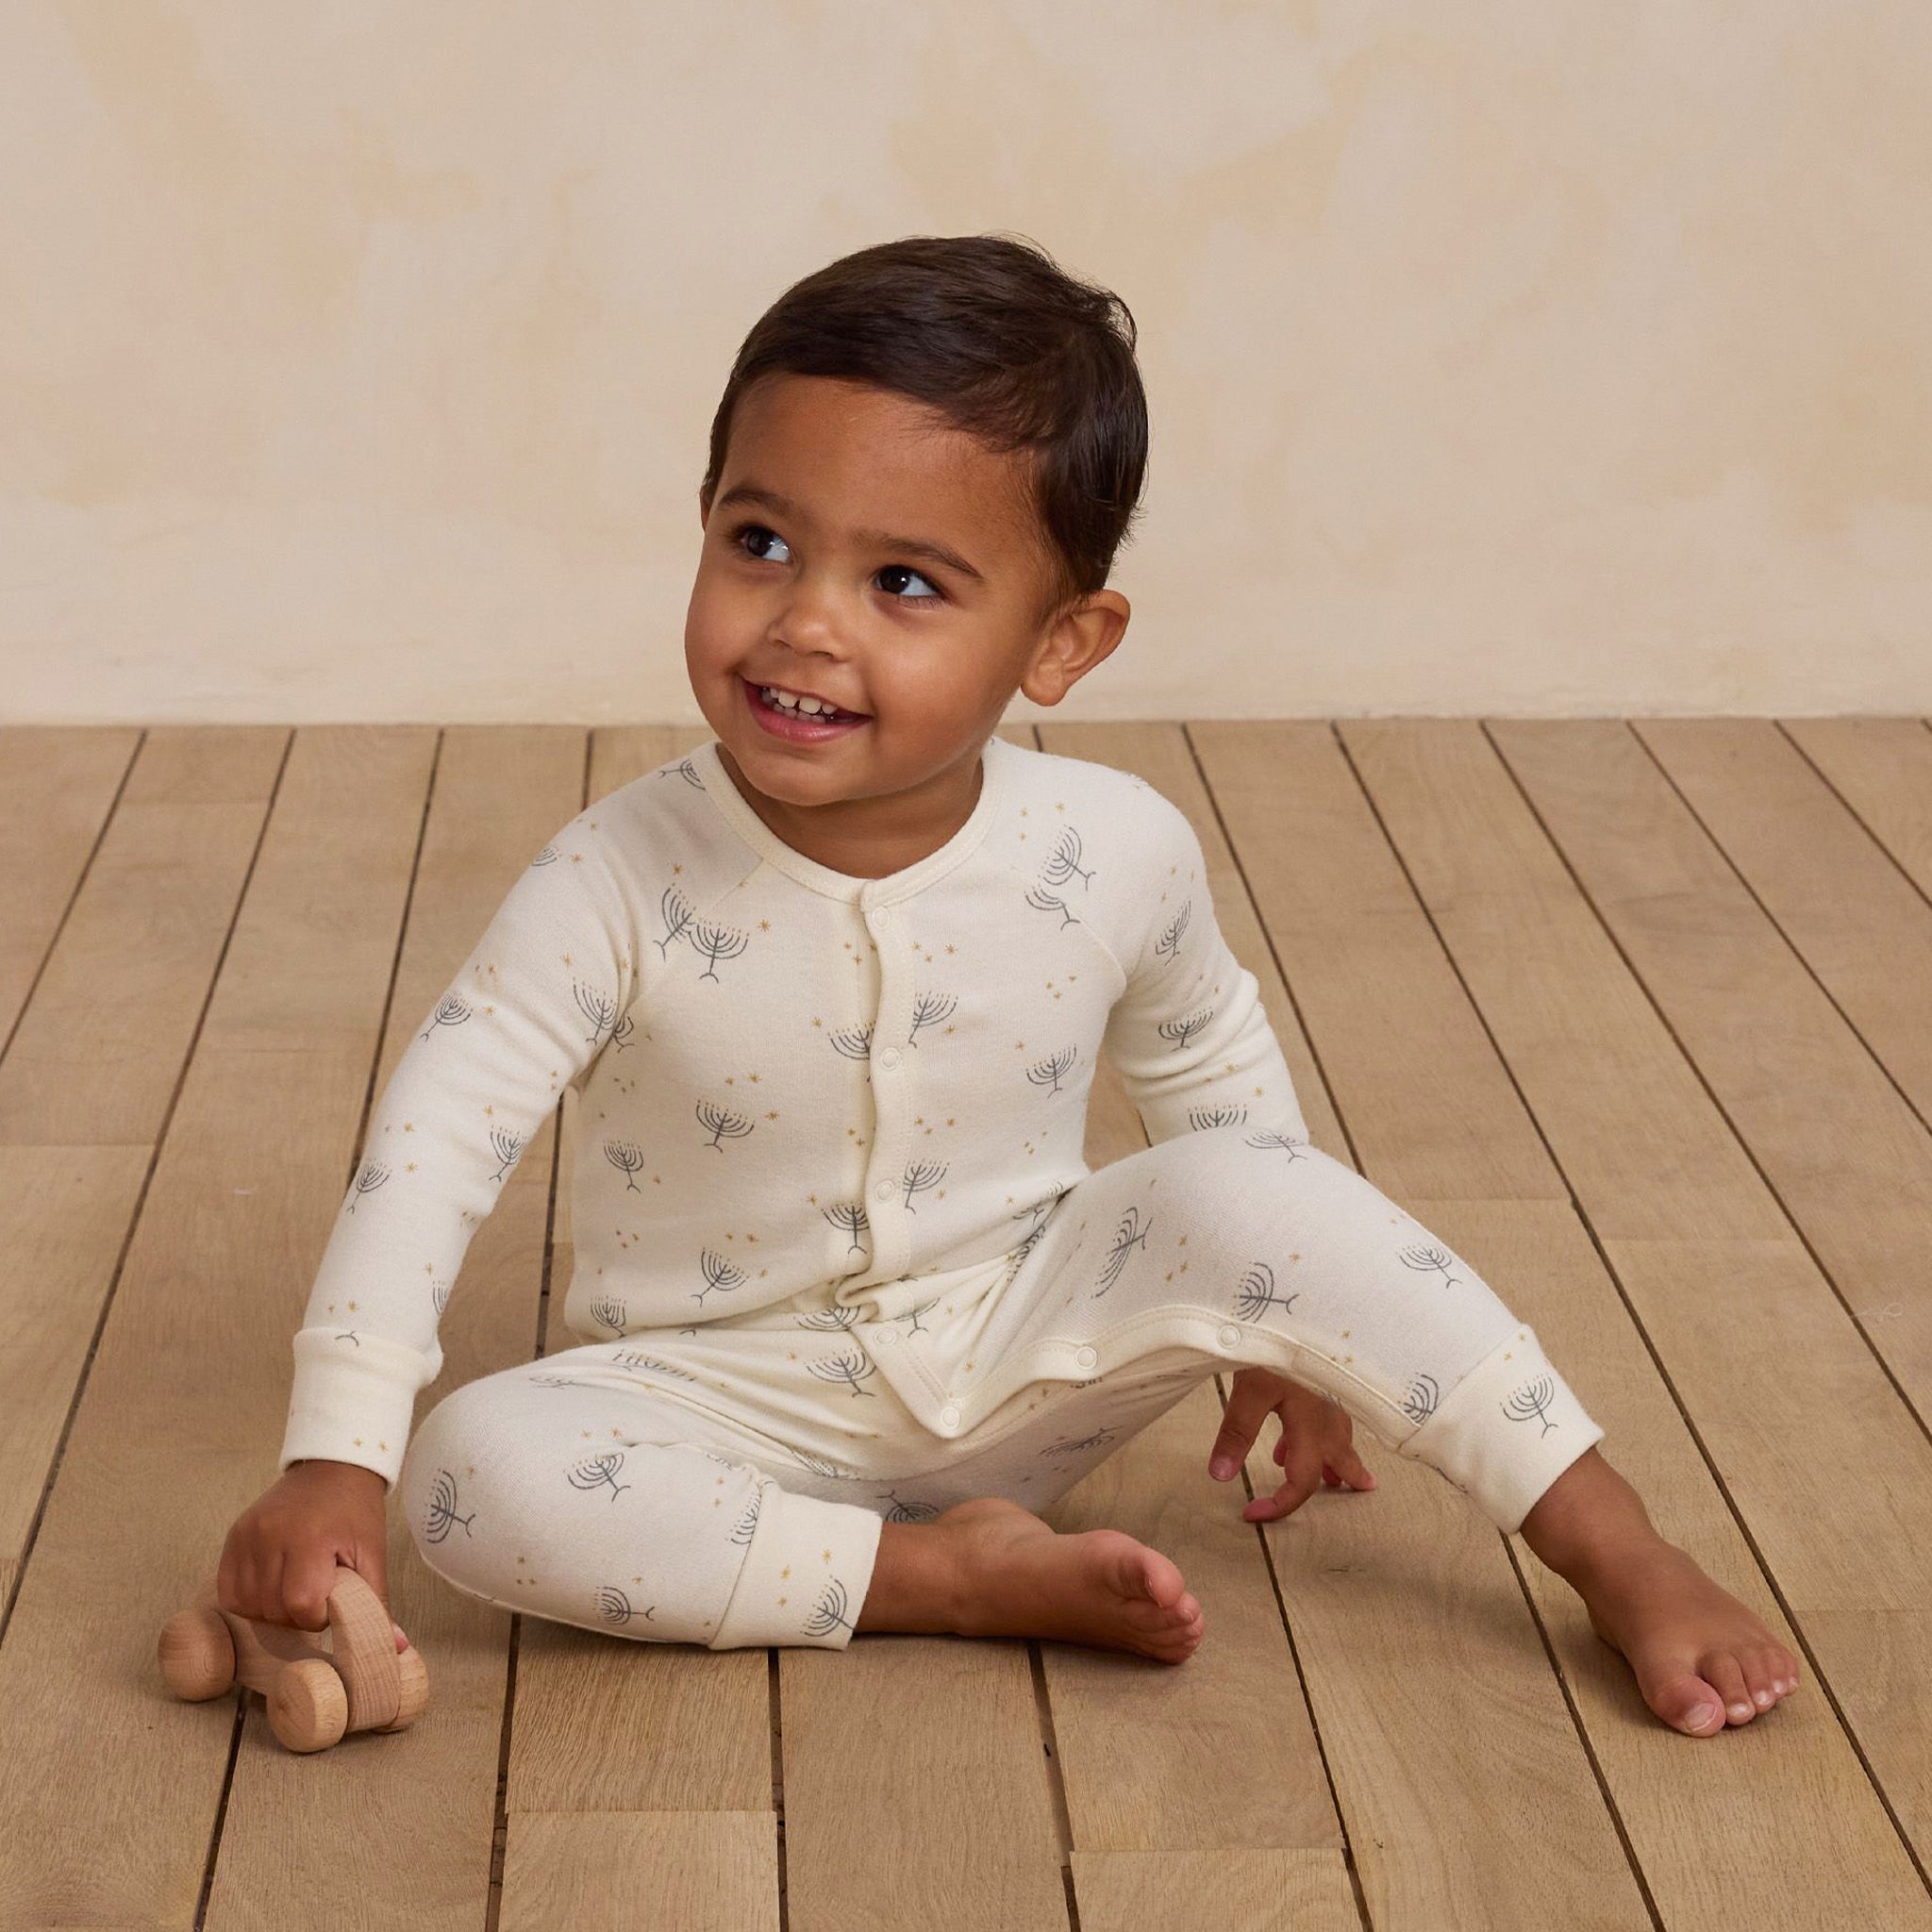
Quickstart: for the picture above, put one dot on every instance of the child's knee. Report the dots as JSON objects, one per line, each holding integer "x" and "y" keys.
{"x": 442, "y": 1479}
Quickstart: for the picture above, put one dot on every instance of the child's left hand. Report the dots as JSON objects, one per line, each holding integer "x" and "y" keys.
{"x": 1317, "y": 1441}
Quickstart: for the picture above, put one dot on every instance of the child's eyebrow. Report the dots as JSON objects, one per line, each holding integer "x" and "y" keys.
{"x": 915, "y": 547}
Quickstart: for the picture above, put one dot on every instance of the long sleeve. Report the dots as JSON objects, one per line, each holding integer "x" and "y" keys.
{"x": 546, "y": 989}
{"x": 1188, "y": 1034}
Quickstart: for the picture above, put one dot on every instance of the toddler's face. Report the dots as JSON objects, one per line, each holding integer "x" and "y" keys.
{"x": 810, "y": 578}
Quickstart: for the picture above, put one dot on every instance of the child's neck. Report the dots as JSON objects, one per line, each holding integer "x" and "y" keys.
{"x": 870, "y": 837}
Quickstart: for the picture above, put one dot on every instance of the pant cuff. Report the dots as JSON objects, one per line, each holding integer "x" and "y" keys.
{"x": 806, "y": 1573}
{"x": 1506, "y": 1431}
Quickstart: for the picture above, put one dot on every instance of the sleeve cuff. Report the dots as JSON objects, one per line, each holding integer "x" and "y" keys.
{"x": 1506, "y": 1431}
{"x": 804, "y": 1575}
{"x": 353, "y": 1401}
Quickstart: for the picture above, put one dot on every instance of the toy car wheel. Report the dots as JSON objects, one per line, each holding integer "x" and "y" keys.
{"x": 197, "y": 1652}
{"x": 308, "y": 1709}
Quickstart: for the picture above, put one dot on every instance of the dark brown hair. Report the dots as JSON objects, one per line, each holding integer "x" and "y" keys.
{"x": 993, "y": 335}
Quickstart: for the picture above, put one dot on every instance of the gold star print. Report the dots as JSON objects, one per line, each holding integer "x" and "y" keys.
{"x": 816, "y": 1020}
{"x": 359, "y": 1441}
{"x": 566, "y": 958}
{"x": 828, "y": 1555}
{"x": 351, "y": 1307}
{"x": 576, "y": 859}
{"x": 781, "y": 1599}
{"x": 771, "y": 1116}
{"x": 678, "y": 868}
{"x": 408, "y": 1167}
{"x": 952, "y": 949}
{"x": 408, "y": 1127}
{"x": 764, "y": 925}
{"x": 786, "y": 1572}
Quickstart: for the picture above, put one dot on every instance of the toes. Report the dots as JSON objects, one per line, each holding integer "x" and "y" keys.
{"x": 1687, "y": 1702}
{"x": 1722, "y": 1670}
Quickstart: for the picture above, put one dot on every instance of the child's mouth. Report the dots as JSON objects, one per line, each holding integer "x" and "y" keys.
{"x": 800, "y": 727}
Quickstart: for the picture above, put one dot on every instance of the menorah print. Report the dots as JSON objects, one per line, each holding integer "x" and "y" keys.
{"x": 595, "y": 1471}
{"x": 1296, "y": 1150}
{"x": 1048, "y": 1201}
{"x": 850, "y": 1367}
{"x": 633, "y": 1359}
{"x": 1129, "y": 1235}
{"x": 450, "y": 1011}
{"x": 607, "y": 1313}
{"x": 1182, "y": 1030}
{"x": 903, "y": 1511}
{"x": 1256, "y": 1295}
{"x": 723, "y": 1121}
{"x": 1016, "y": 1258}
{"x": 687, "y": 770}
{"x": 820, "y": 1466}
{"x": 1049, "y": 902}
{"x": 920, "y": 1175}
{"x": 598, "y": 1007}
{"x": 830, "y": 1316}
{"x": 439, "y": 1295}
{"x": 560, "y": 1382}
{"x": 614, "y": 1606}
{"x": 1170, "y": 939}
{"x": 928, "y": 1008}
{"x": 350, "y": 1334}
{"x": 720, "y": 1270}
{"x": 923, "y": 1308}
{"x": 1419, "y": 1404}
{"x": 1080, "y": 1447}
{"x": 1049, "y": 1069}
{"x": 627, "y": 1158}
{"x": 851, "y": 1216}
{"x": 830, "y": 1613}
{"x": 368, "y": 1181}
{"x": 441, "y": 1514}
{"x": 509, "y": 1150}
{"x": 1063, "y": 861}
{"x": 748, "y": 1519}
{"x": 715, "y": 942}
{"x": 1203, "y": 1118}
{"x": 1532, "y": 1399}
{"x": 1425, "y": 1258}
{"x": 549, "y": 855}
{"x": 677, "y": 913}
{"x": 855, "y": 1042}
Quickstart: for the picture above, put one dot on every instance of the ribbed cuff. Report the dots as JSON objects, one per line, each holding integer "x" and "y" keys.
{"x": 806, "y": 1573}
{"x": 351, "y": 1401}
{"x": 1506, "y": 1431}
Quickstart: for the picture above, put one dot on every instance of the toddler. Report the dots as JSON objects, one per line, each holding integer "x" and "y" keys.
{"x": 851, "y": 1307}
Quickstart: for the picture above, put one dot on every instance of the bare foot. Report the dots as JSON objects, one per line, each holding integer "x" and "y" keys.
{"x": 1701, "y": 1659}
{"x": 1021, "y": 1577}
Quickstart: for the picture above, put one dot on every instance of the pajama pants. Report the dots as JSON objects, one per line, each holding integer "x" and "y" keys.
{"x": 726, "y": 1483}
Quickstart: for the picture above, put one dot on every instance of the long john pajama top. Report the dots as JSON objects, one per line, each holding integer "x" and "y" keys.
{"x": 789, "y": 1076}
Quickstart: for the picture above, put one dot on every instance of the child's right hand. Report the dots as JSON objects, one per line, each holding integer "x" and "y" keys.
{"x": 280, "y": 1562}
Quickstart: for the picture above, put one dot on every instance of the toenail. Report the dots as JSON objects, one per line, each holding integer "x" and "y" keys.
{"x": 1763, "y": 1699}
{"x": 1740, "y": 1710}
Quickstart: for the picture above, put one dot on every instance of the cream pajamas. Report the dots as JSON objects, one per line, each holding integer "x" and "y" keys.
{"x": 840, "y": 1260}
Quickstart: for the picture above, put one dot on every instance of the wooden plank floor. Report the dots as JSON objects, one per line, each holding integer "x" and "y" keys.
{"x": 1636, "y": 1014}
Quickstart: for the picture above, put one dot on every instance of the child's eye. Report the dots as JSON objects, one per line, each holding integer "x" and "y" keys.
{"x": 744, "y": 531}
{"x": 933, "y": 595}
{"x": 907, "y": 571}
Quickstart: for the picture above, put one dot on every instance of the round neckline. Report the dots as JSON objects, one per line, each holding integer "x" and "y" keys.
{"x": 731, "y": 805}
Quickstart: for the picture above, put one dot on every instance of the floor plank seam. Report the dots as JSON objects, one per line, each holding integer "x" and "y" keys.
{"x": 167, "y": 1122}
{"x": 1684, "y": 1052}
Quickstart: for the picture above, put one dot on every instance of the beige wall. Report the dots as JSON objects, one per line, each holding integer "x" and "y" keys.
{"x": 357, "y": 360}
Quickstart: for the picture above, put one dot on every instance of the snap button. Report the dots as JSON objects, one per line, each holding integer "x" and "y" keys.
{"x": 887, "y": 1334}
{"x": 880, "y": 915}
{"x": 1230, "y": 1337}
{"x": 950, "y": 1416}
{"x": 883, "y": 1191}
{"x": 889, "y": 1058}
{"x": 1087, "y": 1357}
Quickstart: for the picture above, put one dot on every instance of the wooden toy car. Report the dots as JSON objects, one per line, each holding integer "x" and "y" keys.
{"x": 315, "y": 1694}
